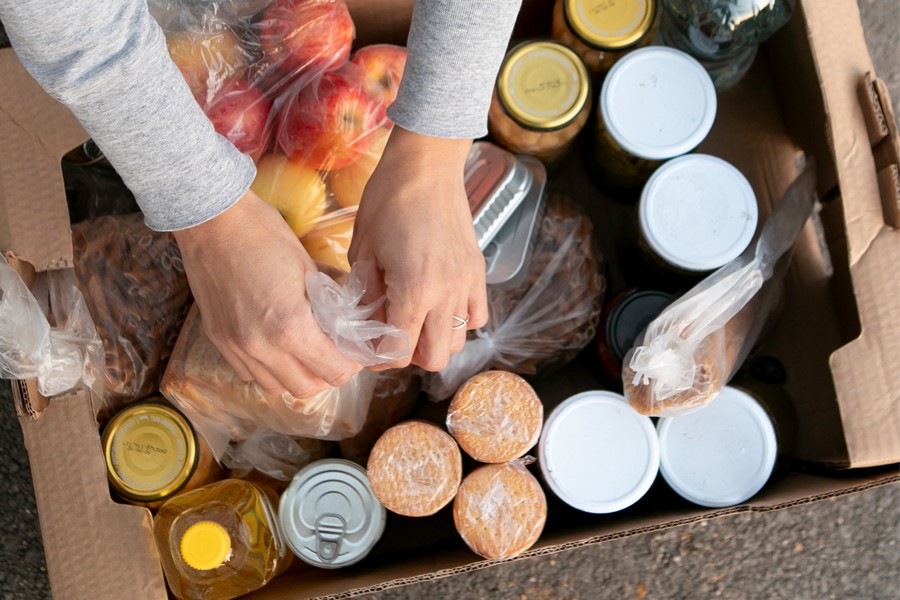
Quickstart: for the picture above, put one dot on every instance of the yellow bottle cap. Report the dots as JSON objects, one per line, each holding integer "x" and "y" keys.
{"x": 543, "y": 85}
{"x": 205, "y": 546}
{"x": 610, "y": 24}
{"x": 150, "y": 451}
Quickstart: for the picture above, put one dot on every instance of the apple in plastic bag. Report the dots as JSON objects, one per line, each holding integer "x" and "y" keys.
{"x": 383, "y": 65}
{"x": 240, "y": 112}
{"x": 206, "y": 60}
{"x": 330, "y": 123}
{"x": 347, "y": 184}
{"x": 329, "y": 243}
{"x": 294, "y": 189}
{"x": 302, "y": 35}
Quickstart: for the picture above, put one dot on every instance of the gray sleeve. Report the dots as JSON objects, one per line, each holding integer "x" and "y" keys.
{"x": 455, "y": 51}
{"x": 107, "y": 61}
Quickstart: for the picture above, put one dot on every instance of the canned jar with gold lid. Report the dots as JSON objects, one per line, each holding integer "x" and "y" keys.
{"x": 602, "y": 31}
{"x": 655, "y": 104}
{"x": 152, "y": 453}
{"x": 541, "y": 101}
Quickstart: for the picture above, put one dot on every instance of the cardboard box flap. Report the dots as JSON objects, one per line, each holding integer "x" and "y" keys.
{"x": 876, "y": 103}
{"x": 36, "y": 131}
{"x": 88, "y": 553}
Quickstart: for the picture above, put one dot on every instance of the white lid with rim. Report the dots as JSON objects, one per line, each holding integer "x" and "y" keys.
{"x": 698, "y": 212}
{"x": 658, "y": 103}
{"x": 597, "y": 453}
{"x": 721, "y": 454}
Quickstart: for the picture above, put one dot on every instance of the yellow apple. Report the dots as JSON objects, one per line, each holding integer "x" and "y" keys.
{"x": 347, "y": 184}
{"x": 206, "y": 60}
{"x": 329, "y": 244}
{"x": 295, "y": 190}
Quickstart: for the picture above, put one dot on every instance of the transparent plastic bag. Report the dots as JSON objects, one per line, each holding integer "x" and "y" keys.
{"x": 62, "y": 351}
{"x": 136, "y": 289}
{"x": 547, "y": 319}
{"x": 698, "y": 342}
{"x": 276, "y": 456}
{"x": 500, "y": 510}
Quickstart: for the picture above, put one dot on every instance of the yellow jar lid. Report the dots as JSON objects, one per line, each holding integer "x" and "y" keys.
{"x": 205, "y": 546}
{"x": 543, "y": 85}
{"x": 150, "y": 451}
{"x": 610, "y": 24}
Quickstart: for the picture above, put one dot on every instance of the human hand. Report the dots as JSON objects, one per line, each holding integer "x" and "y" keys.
{"x": 415, "y": 225}
{"x": 247, "y": 272}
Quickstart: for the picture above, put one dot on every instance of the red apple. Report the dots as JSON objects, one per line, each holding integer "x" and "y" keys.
{"x": 240, "y": 112}
{"x": 383, "y": 64}
{"x": 307, "y": 34}
{"x": 331, "y": 122}
{"x": 206, "y": 59}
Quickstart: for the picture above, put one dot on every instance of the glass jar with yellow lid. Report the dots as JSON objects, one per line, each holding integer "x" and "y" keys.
{"x": 541, "y": 101}
{"x": 602, "y": 31}
{"x": 153, "y": 453}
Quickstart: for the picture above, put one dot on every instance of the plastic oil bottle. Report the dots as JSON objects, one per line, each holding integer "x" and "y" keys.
{"x": 220, "y": 541}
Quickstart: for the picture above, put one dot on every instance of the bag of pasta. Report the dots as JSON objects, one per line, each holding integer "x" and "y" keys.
{"x": 698, "y": 342}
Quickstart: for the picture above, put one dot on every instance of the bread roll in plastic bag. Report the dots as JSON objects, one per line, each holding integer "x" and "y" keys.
{"x": 224, "y": 408}
{"x": 137, "y": 291}
{"x": 47, "y": 334}
{"x": 546, "y": 320}
{"x": 699, "y": 341}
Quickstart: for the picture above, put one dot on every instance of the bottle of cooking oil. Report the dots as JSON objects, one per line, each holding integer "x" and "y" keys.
{"x": 220, "y": 541}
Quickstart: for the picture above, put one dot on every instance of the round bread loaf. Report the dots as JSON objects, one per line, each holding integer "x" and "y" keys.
{"x": 415, "y": 469}
{"x": 496, "y": 417}
{"x": 500, "y": 510}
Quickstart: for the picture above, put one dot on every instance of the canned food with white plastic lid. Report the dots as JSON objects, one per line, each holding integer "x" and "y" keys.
{"x": 655, "y": 104}
{"x": 329, "y": 515}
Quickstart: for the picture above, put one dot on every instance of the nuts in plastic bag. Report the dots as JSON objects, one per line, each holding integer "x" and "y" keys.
{"x": 500, "y": 510}
{"x": 698, "y": 342}
{"x": 495, "y": 417}
{"x": 547, "y": 319}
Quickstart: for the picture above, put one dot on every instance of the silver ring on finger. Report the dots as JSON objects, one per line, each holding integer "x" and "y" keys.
{"x": 459, "y": 323}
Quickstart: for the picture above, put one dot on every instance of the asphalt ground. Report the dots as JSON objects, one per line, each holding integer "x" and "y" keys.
{"x": 841, "y": 548}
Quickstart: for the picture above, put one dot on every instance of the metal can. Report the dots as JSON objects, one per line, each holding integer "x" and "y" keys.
{"x": 597, "y": 454}
{"x": 152, "y": 453}
{"x": 602, "y": 31}
{"x": 655, "y": 104}
{"x": 696, "y": 214}
{"x": 542, "y": 100}
{"x": 623, "y": 319}
{"x": 722, "y": 454}
{"x": 329, "y": 515}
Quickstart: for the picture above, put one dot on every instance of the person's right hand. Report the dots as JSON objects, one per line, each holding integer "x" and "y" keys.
{"x": 247, "y": 271}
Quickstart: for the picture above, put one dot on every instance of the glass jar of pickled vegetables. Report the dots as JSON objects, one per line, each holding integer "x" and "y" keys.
{"x": 602, "y": 31}
{"x": 542, "y": 100}
{"x": 655, "y": 104}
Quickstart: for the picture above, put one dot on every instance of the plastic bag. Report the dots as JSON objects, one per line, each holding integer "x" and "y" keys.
{"x": 500, "y": 510}
{"x": 277, "y": 79}
{"x": 224, "y": 408}
{"x": 277, "y": 457}
{"x": 697, "y": 343}
{"x": 547, "y": 319}
{"x": 62, "y": 352}
{"x": 136, "y": 289}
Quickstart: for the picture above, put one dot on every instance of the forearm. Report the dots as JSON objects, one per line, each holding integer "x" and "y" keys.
{"x": 455, "y": 51}
{"x": 107, "y": 61}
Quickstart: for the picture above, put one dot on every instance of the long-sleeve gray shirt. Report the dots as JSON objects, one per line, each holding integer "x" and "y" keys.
{"x": 107, "y": 61}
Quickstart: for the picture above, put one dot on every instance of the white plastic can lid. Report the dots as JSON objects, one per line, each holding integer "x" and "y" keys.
{"x": 698, "y": 212}
{"x": 597, "y": 453}
{"x": 329, "y": 514}
{"x": 721, "y": 454}
{"x": 658, "y": 103}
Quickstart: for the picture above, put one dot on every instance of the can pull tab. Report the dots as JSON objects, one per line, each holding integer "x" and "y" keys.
{"x": 330, "y": 530}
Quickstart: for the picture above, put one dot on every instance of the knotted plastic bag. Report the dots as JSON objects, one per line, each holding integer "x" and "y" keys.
{"x": 696, "y": 344}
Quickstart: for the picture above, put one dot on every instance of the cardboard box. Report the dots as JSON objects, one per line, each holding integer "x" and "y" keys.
{"x": 811, "y": 90}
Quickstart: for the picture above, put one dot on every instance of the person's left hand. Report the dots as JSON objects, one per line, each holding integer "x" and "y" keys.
{"x": 414, "y": 225}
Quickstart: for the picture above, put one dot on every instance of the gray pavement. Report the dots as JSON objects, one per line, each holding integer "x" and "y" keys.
{"x": 843, "y": 548}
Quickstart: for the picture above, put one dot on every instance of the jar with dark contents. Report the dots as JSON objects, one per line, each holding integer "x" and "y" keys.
{"x": 623, "y": 320}
{"x": 152, "y": 454}
{"x": 602, "y": 31}
{"x": 655, "y": 104}
{"x": 542, "y": 100}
